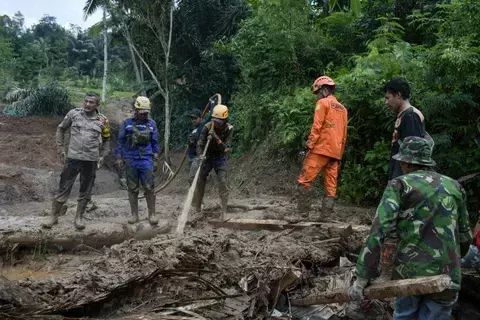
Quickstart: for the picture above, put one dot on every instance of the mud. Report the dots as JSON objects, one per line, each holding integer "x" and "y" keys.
{"x": 146, "y": 274}
{"x": 201, "y": 264}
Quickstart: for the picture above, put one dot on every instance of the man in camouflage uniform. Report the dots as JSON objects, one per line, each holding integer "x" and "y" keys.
{"x": 427, "y": 213}
{"x": 219, "y": 131}
{"x": 88, "y": 145}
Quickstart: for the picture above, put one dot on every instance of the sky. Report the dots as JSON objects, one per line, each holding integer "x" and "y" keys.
{"x": 66, "y": 11}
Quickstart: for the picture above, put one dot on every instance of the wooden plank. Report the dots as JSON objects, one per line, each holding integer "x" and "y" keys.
{"x": 279, "y": 225}
{"x": 384, "y": 290}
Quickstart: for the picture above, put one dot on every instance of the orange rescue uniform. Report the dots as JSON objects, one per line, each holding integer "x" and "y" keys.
{"x": 326, "y": 143}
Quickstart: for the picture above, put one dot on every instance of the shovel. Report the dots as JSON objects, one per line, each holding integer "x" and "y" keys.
{"x": 182, "y": 219}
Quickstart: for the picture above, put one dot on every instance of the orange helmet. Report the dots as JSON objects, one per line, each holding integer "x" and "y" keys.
{"x": 322, "y": 81}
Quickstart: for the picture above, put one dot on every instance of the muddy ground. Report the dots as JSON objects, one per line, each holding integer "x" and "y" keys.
{"x": 116, "y": 271}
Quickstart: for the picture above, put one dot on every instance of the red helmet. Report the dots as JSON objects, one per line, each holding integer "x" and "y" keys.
{"x": 322, "y": 81}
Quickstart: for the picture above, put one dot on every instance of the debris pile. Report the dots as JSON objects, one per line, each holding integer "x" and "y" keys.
{"x": 212, "y": 273}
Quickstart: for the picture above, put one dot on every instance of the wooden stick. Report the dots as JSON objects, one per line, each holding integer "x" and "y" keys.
{"x": 389, "y": 289}
{"x": 182, "y": 219}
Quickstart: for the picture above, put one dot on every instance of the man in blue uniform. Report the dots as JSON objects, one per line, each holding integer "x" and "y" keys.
{"x": 138, "y": 149}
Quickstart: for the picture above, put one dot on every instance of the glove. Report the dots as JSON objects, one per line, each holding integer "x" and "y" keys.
{"x": 355, "y": 292}
{"x": 100, "y": 162}
{"x": 119, "y": 163}
{"x": 201, "y": 157}
{"x": 213, "y": 134}
{"x": 63, "y": 157}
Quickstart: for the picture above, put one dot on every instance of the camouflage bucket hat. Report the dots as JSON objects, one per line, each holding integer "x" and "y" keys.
{"x": 416, "y": 150}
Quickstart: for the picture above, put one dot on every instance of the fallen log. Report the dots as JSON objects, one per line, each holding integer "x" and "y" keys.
{"x": 278, "y": 225}
{"x": 66, "y": 239}
{"x": 384, "y": 290}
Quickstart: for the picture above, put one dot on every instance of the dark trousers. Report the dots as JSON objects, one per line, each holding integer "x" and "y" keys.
{"x": 73, "y": 167}
{"x": 220, "y": 167}
{"x": 139, "y": 171}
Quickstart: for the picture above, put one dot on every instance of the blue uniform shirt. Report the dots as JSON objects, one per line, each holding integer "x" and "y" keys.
{"x": 126, "y": 150}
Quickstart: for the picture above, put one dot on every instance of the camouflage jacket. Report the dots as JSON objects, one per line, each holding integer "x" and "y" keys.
{"x": 89, "y": 136}
{"x": 427, "y": 213}
{"x": 217, "y": 148}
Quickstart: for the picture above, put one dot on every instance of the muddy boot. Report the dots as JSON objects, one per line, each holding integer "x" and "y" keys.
{"x": 328, "y": 205}
{"x": 150, "y": 197}
{"x": 224, "y": 207}
{"x": 387, "y": 259}
{"x": 56, "y": 208}
{"x": 133, "y": 199}
{"x": 199, "y": 197}
{"x": 79, "y": 223}
{"x": 63, "y": 210}
{"x": 304, "y": 202}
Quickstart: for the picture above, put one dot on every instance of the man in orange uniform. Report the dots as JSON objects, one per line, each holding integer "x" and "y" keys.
{"x": 326, "y": 144}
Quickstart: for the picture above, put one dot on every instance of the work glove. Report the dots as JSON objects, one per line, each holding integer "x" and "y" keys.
{"x": 62, "y": 157}
{"x": 100, "y": 162}
{"x": 355, "y": 292}
{"x": 213, "y": 134}
{"x": 201, "y": 157}
{"x": 119, "y": 163}
{"x": 155, "y": 162}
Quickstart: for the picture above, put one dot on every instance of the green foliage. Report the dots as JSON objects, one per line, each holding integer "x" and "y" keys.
{"x": 45, "y": 100}
{"x": 274, "y": 102}
{"x": 295, "y": 116}
{"x": 360, "y": 181}
{"x": 7, "y": 64}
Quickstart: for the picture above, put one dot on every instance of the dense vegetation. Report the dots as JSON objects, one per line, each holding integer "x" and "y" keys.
{"x": 263, "y": 56}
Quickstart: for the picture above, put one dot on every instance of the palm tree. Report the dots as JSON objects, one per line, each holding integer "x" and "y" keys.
{"x": 90, "y": 7}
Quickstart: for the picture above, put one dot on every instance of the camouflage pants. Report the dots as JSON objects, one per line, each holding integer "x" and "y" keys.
{"x": 220, "y": 167}
{"x": 73, "y": 167}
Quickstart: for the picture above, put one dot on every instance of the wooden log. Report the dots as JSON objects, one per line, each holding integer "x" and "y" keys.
{"x": 384, "y": 290}
{"x": 278, "y": 225}
{"x": 94, "y": 236}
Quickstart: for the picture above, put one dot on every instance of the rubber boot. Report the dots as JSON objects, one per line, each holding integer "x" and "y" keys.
{"x": 224, "y": 200}
{"x": 199, "y": 196}
{"x": 150, "y": 197}
{"x": 133, "y": 200}
{"x": 56, "y": 208}
{"x": 328, "y": 205}
{"x": 81, "y": 206}
{"x": 304, "y": 201}
{"x": 387, "y": 259}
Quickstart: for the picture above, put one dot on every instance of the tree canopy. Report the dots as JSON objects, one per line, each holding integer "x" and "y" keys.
{"x": 263, "y": 55}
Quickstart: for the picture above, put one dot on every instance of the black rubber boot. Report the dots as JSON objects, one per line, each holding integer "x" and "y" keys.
{"x": 133, "y": 200}
{"x": 79, "y": 222}
{"x": 328, "y": 205}
{"x": 150, "y": 197}
{"x": 56, "y": 208}
{"x": 304, "y": 201}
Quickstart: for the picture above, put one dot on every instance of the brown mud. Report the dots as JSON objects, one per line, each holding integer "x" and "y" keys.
{"x": 139, "y": 272}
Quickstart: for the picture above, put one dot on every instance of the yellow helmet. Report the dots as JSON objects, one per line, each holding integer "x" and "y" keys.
{"x": 142, "y": 103}
{"x": 220, "y": 112}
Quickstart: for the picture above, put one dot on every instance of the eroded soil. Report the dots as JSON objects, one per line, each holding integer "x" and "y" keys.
{"x": 151, "y": 273}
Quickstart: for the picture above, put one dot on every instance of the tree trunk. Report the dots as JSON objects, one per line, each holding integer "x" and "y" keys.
{"x": 167, "y": 125}
{"x": 142, "y": 79}
{"x": 138, "y": 76}
{"x": 167, "y": 93}
{"x": 105, "y": 55}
